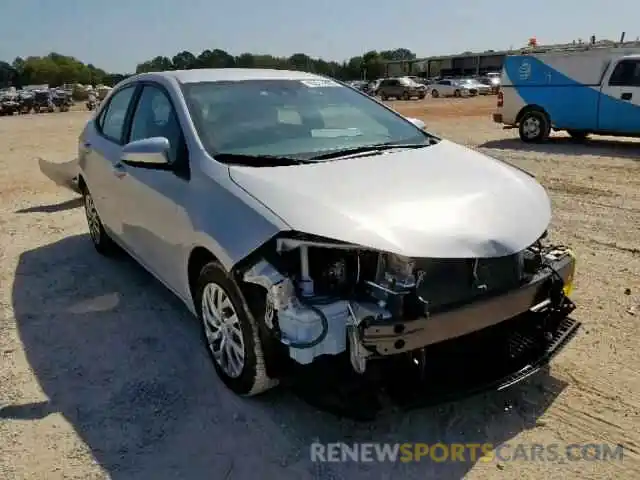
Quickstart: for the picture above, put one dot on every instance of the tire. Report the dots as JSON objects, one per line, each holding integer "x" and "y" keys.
{"x": 457, "y": 93}
{"x": 578, "y": 135}
{"x": 534, "y": 127}
{"x": 434, "y": 93}
{"x": 99, "y": 237}
{"x": 383, "y": 97}
{"x": 248, "y": 376}
{"x": 406, "y": 96}
{"x": 421, "y": 97}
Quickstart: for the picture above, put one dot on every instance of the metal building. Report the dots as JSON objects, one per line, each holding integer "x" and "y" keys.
{"x": 470, "y": 63}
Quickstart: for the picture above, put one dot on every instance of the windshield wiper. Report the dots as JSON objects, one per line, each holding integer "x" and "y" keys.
{"x": 258, "y": 160}
{"x": 381, "y": 147}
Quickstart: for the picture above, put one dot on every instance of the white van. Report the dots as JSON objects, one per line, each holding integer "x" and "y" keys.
{"x": 593, "y": 91}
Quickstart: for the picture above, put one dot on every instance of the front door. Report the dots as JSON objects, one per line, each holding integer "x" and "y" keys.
{"x": 156, "y": 226}
{"x": 620, "y": 100}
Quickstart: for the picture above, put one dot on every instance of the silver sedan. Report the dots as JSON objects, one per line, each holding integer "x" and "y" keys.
{"x": 298, "y": 218}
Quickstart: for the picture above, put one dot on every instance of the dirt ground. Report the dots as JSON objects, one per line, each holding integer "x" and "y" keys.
{"x": 102, "y": 374}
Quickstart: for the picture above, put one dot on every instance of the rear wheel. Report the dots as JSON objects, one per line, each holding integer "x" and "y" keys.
{"x": 99, "y": 237}
{"x": 534, "y": 127}
{"x": 230, "y": 333}
{"x": 384, "y": 97}
{"x": 457, "y": 93}
{"x": 406, "y": 96}
{"x": 434, "y": 93}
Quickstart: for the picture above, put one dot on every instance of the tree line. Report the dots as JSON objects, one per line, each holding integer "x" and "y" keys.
{"x": 56, "y": 69}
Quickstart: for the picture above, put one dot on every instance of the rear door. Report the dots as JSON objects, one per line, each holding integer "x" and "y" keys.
{"x": 100, "y": 151}
{"x": 620, "y": 99}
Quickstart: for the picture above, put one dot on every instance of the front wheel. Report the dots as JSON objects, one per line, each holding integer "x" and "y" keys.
{"x": 457, "y": 93}
{"x": 534, "y": 127}
{"x": 230, "y": 333}
{"x": 434, "y": 93}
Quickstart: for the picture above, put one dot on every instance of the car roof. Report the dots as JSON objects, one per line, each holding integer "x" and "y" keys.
{"x": 228, "y": 74}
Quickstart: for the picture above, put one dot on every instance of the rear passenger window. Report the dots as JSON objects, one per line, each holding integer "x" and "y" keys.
{"x": 113, "y": 119}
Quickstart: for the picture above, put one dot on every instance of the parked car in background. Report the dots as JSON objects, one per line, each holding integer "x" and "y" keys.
{"x": 491, "y": 79}
{"x": 402, "y": 88}
{"x": 43, "y": 101}
{"x": 361, "y": 85}
{"x": 374, "y": 85}
{"x": 253, "y": 195}
{"x": 419, "y": 80}
{"x": 451, "y": 88}
{"x": 473, "y": 83}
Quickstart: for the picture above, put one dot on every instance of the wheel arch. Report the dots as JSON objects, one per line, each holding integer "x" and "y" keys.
{"x": 198, "y": 258}
{"x": 531, "y": 108}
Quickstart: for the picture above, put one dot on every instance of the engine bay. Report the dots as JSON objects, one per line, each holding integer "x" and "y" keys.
{"x": 326, "y": 298}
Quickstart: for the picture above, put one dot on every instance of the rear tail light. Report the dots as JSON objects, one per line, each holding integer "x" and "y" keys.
{"x": 500, "y": 99}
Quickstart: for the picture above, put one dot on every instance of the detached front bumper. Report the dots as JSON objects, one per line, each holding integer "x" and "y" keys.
{"x": 539, "y": 297}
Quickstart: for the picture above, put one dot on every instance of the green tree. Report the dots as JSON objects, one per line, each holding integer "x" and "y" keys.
{"x": 57, "y": 69}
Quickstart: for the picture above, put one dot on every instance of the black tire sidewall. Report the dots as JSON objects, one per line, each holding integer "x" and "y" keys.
{"x": 213, "y": 273}
{"x": 103, "y": 244}
{"x": 544, "y": 124}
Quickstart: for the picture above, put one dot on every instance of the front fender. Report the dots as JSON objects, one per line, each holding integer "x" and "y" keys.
{"x": 229, "y": 222}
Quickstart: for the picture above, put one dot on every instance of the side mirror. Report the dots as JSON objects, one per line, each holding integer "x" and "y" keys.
{"x": 147, "y": 153}
{"x": 417, "y": 122}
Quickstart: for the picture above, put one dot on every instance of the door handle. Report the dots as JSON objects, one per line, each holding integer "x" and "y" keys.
{"x": 119, "y": 170}
{"x": 626, "y": 96}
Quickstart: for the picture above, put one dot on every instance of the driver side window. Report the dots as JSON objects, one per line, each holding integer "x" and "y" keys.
{"x": 155, "y": 117}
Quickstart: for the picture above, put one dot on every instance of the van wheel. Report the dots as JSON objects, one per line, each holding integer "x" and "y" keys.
{"x": 534, "y": 127}
{"x": 405, "y": 96}
{"x": 230, "y": 333}
{"x": 578, "y": 135}
{"x": 383, "y": 97}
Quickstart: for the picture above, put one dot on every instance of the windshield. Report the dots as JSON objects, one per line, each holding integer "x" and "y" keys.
{"x": 292, "y": 118}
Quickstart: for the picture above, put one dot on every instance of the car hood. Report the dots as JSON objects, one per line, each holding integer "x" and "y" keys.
{"x": 442, "y": 201}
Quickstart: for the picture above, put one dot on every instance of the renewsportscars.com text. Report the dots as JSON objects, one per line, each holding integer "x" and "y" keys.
{"x": 465, "y": 452}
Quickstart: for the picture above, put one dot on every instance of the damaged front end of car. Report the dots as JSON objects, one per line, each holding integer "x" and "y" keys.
{"x": 326, "y": 298}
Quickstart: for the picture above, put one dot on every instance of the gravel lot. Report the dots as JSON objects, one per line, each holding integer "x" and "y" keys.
{"x": 102, "y": 373}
